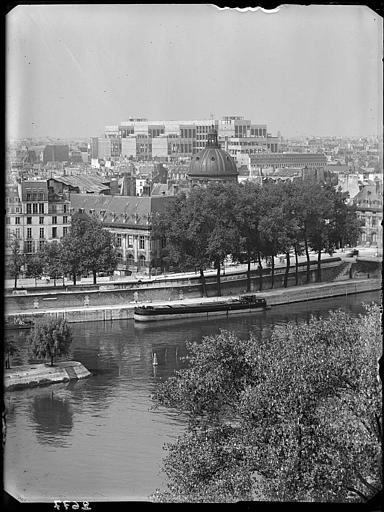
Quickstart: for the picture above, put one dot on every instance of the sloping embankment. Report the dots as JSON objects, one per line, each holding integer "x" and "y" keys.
{"x": 42, "y": 374}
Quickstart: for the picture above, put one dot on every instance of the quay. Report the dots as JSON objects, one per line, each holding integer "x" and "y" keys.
{"x": 42, "y": 374}
{"x": 274, "y": 297}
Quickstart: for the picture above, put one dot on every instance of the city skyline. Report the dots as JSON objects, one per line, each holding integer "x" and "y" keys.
{"x": 72, "y": 70}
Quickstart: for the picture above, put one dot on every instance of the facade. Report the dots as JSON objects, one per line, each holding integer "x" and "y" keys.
{"x": 279, "y": 160}
{"x": 56, "y": 153}
{"x": 369, "y": 205}
{"x": 109, "y": 148}
{"x": 34, "y": 216}
{"x": 129, "y": 220}
{"x": 212, "y": 164}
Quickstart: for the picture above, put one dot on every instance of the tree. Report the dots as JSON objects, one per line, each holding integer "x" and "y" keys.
{"x": 16, "y": 258}
{"x": 277, "y": 223}
{"x": 293, "y": 418}
{"x": 223, "y": 239}
{"x": 52, "y": 257}
{"x": 184, "y": 227}
{"x": 345, "y": 227}
{"x": 35, "y": 266}
{"x": 98, "y": 250}
{"x": 247, "y": 217}
{"x": 49, "y": 338}
{"x": 72, "y": 247}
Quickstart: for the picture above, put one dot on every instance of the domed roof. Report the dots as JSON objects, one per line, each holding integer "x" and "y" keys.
{"x": 212, "y": 162}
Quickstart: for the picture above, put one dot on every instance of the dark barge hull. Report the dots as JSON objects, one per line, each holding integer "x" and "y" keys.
{"x": 156, "y": 313}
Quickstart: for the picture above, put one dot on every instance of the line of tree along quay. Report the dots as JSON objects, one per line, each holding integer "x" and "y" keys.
{"x": 293, "y": 417}
{"x": 87, "y": 248}
{"x": 247, "y": 222}
{"x": 252, "y": 224}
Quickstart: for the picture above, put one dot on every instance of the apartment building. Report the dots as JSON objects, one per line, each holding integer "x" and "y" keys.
{"x": 34, "y": 216}
{"x": 369, "y": 207}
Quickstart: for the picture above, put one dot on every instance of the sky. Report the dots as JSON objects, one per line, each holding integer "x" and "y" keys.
{"x": 304, "y": 70}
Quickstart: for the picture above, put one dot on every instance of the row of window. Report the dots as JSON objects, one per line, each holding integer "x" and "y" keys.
{"x": 35, "y": 196}
{"x": 29, "y": 236}
{"x": 130, "y": 241}
{"x": 41, "y": 220}
{"x": 35, "y": 208}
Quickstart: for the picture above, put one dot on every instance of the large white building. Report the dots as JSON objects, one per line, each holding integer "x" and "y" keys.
{"x": 142, "y": 139}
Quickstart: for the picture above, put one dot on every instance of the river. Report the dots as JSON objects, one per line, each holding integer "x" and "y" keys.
{"x": 98, "y": 439}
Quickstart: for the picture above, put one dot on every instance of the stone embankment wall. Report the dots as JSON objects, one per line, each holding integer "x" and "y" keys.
{"x": 42, "y": 374}
{"x": 273, "y": 297}
{"x": 158, "y": 290}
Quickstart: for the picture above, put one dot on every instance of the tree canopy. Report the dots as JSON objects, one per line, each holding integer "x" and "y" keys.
{"x": 296, "y": 417}
{"x": 88, "y": 247}
{"x": 249, "y": 222}
{"x": 49, "y": 338}
{"x": 16, "y": 258}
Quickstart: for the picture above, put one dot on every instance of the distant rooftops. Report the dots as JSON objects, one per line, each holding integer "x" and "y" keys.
{"x": 85, "y": 184}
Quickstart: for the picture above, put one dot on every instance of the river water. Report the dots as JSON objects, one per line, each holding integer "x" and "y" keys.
{"x": 98, "y": 439}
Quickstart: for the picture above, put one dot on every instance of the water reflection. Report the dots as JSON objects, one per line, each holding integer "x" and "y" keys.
{"x": 53, "y": 417}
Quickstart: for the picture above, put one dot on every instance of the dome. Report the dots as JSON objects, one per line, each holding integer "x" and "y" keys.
{"x": 212, "y": 163}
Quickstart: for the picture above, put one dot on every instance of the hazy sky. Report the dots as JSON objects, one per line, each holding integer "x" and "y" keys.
{"x": 72, "y": 69}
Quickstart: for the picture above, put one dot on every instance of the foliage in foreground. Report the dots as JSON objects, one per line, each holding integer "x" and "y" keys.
{"x": 296, "y": 417}
{"x": 49, "y": 338}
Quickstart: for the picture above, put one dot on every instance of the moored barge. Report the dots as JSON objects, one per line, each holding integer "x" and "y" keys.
{"x": 244, "y": 304}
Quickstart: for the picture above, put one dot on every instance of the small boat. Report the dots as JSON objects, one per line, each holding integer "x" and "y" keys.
{"x": 17, "y": 323}
{"x": 244, "y": 304}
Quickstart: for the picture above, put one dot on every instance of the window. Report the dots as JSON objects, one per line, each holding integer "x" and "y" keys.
{"x": 41, "y": 244}
{"x": 29, "y": 208}
{"x": 29, "y": 232}
{"x": 54, "y": 232}
{"x": 41, "y": 196}
{"x": 65, "y": 231}
{"x": 17, "y": 209}
{"x": 142, "y": 242}
{"x": 28, "y": 196}
{"x": 65, "y": 219}
{"x": 130, "y": 240}
{"x": 7, "y": 220}
{"x": 17, "y": 232}
{"x": 118, "y": 240}
{"x": 163, "y": 242}
{"x": 41, "y": 207}
{"x": 17, "y": 220}
{"x": 41, "y": 232}
{"x": 29, "y": 220}
{"x": 65, "y": 208}
{"x": 28, "y": 246}
{"x": 34, "y": 206}
{"x": 41, "y": 220}
{"x": 54, "y": 220}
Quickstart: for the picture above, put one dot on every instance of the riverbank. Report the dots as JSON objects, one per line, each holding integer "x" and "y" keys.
{"x": 42, "y": 374}
{"x": 274, "y": 297}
